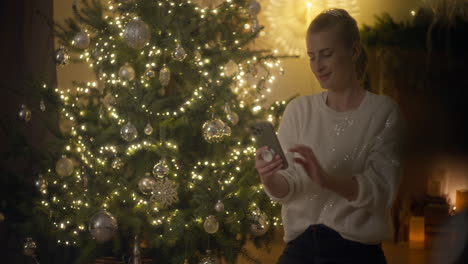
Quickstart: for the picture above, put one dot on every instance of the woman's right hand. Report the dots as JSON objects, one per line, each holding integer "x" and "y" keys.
{"x": 266, "y": 169}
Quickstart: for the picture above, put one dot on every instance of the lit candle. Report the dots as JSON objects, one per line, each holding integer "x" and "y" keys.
{"x": 309, "y": 12}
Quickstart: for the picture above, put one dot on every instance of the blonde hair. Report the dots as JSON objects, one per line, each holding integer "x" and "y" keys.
{"x": 349, "y": 33}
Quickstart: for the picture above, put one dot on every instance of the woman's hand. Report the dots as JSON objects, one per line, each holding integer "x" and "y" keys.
{"x": 266, "y": 169}
{"x": 311, "y": 165}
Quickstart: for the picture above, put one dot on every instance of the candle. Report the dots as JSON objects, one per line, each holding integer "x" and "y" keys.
{"x": 309, "y": 12}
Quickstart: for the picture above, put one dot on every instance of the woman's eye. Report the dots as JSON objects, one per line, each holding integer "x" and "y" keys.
{"x": 327, "y": 54}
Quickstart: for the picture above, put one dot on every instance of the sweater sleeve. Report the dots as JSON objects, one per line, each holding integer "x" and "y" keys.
{"x": 379, "y": 181}
{"x": 288, "y": 135}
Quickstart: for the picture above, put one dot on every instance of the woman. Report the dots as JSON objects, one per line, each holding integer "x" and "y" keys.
{"x": 344, "y": 148}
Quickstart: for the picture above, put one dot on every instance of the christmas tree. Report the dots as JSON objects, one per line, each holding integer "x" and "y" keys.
{"x": 158, "y": 146}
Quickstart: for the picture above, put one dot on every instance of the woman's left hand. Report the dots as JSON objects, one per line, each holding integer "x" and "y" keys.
{"x": 311, "y": 165}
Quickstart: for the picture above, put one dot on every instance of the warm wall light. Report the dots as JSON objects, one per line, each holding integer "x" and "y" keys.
{"x": 416, "y": 232}
{"x": 461, "y": 202}
{"x": 288, "y": 20}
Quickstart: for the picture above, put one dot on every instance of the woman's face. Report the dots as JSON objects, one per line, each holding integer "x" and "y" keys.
{"x": 331, "y": 60}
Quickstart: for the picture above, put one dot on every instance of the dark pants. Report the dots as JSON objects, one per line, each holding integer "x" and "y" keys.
{"x": 320, "y": 244}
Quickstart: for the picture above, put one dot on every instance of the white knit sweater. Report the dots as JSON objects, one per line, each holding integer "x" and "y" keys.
{"x": 365, "y": 144}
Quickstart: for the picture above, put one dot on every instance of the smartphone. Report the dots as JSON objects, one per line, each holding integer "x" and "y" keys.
{"x": 265, "y": 135}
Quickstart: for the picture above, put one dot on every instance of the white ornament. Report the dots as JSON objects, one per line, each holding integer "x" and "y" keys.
{"x": 165, "y": 192}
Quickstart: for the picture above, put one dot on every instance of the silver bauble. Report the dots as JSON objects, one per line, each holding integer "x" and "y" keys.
{"x": 41, "y": 184}
{"x": 24, "y": 113}
{"x": 226, "y": 130}
{"x": 160, "y": 170}
{"x": 146, "y": 184}
{"x": 102, "y": 226}
{"x": 255, "y": 25}
{"x": 219, "y": 206}
{"x": 165, "y": 76}
{"x": 29, "y": 247}
{"x": 64, "y": 167}
{"x": 148, "y": 129}
{"x": 254, "y": 8}
{"x": 97, "y": 53}
{"x": 61, "y": 56}
{"x": 233, "y": 118}
{"x": 179, "y": 53}
{"x": 129, "y": 132}
{"x": 137, "y": 34}
{"x": 108, "y": 100}
{"x": 231, "y": 68}
{"x": 211, "y": 224}
{"x": 117, "y": 163}
{"x": 149, "y": 74}
{"x": 42, "y": 105}
{"x": 197, "y": 55}
{"x": 126, "y": 72}
{"x": 213, "y": 130}
{"x": 81, "y": 40}
{"x": 209, "y": 258}
{"x": 260, "y": 224}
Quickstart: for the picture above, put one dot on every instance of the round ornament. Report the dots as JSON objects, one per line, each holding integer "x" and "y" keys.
{"x": 231, "y": 68}
{"x": 146, "y": 184}
{"x": 41, "y": 184}
{"x": 81, "y": 40}
{"x": 211, "y": 224}
{"x": 148, "y": 129}
{"x": 254, "y": 8}
{"x": 165, "y": 76}
{"x": 61, "y": 56}
{"x": 129, "y": 132}
{"x": 117, "y": 163}
{"x": 233, "y": 118}
{"x": 260, "y": 224}
{"x": 179, "y": 53}
{"x": 29, "y": 247}
{"x": 149, "y": 74}
{"x": 209, "y": 258}
{"x": 126, "y": 72}
{"x": 137, "y": 34}
{"x": 102, "y": 226}
{"x": 219, "y": 206}
{"x": 64, "y": 167}
{"x": 97, "y": 53}
{"x": 226, "y": 130}
{"x": 213, "y": 130}
{"x": 160, "y": 170}
{"x": 24, "y": 113}
{"x": 2, "y": 217}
